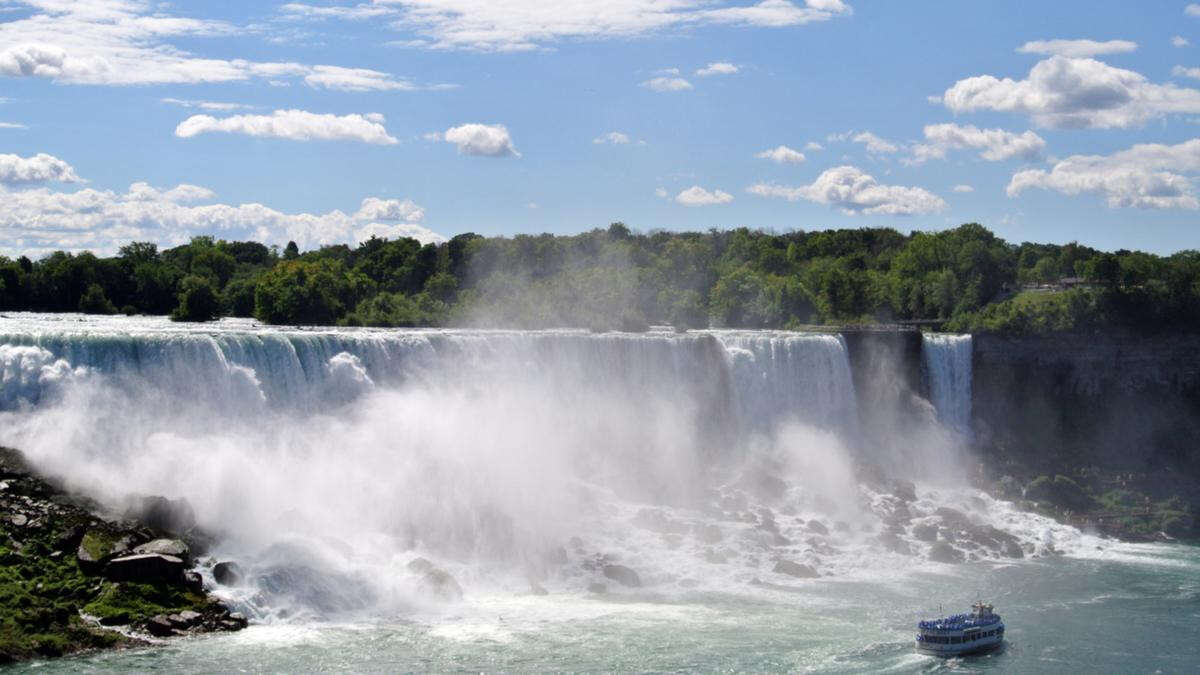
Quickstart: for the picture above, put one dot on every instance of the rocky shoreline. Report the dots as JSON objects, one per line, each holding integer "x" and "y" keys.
{"x": 72, "y": 580}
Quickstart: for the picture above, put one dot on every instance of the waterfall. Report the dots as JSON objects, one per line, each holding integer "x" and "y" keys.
{"x": 947, "y": 362}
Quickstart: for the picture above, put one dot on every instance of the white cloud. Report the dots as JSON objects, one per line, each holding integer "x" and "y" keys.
{"x": 667, "y": 84}
{"x": 12, "y": 125}
{"x": 994, "y": 144}
{"x": 1181, "y": 71}
{"x": 129, "y": 42}
{"x": 698, "y": 196}
{"x": 875, "y": 145}
{"x": 488, "y": 140}
{"x": 206, "y": 105}
{"x": 612, "y": 138}
{"x": 296, "y": 10}
{"x": 374, "y": 208}
{"x": 354, "y": 79}
{"x": 37, "y": 221}
{"x": 661, "y": 193}
{"x": 856, "y": 192}
{"x": 1192, "y": 9}
{"x": 1077, "y": 48}
{"x": 40, "y": 168}
{"x": 293, "y": 125}
{"x": 1179, "y": 41}
{"x": 1063, "y": 92}
{"x": 782, "y": 155}
{"x": 813, "y": 146}
{"x": 963, "y": 188}
{"x": 717, "y": 68}
{"x": 1144, "y": 176}
{"x": 521, "y": 25}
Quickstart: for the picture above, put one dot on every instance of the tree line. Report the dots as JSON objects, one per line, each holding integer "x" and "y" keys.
{"x": 614, "y": 278}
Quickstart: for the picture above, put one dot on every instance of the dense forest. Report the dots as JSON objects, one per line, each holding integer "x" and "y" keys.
{"x": 613, "y": 278}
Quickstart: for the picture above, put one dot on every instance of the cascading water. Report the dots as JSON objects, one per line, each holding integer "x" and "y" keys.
{"x": 947, "y": 361}
{"x": 326, "y": 459}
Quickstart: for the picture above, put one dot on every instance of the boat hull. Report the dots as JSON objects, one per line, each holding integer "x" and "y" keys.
{"x": 978, "y": 647}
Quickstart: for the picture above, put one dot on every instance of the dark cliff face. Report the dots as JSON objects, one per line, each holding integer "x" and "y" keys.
{"x": 1116, "y": 402}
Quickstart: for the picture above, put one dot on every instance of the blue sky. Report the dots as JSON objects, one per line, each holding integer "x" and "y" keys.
{"x": 328, "y": 122}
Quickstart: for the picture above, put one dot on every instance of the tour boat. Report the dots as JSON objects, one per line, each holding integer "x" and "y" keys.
{"x": 961, "y": 634}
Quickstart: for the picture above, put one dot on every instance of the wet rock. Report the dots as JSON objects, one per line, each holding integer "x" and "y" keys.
{"x": 623, "y": 575}
{"x": 709, "y": 534}
{"x": 19, "y": 519}
{"x": 925, "y": 532}
{"x": 597, "y": 587}
{"x": 904, "y": 490}
{"x": 794, "y": 569}
{"x": 953, "y": 518}
{"x": 893, "y": 543}
{"x": 657, "y": 521}
{"x": 439, "y": 584}
{"x": 165, "y": 515}
{"x": 96, "y": 547}
{"x": 193, "y": 582}
{"x": 160, "y": 626}
{"x": 419, "y": 565}
{"x": 145, "y": 568}
{"x": 227, "y": 573}
{"x": 171, "y": 547}
{"x": 818, "y": 527}
{"x": 945, "y": 553}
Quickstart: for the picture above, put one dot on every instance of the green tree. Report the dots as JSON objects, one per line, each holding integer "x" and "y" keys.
{"x": 197, "y": 300}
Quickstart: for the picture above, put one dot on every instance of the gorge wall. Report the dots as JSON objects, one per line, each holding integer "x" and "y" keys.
{"x": 1118, "y": 402}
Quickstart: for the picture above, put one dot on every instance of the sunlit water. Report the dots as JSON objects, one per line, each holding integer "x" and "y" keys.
{"x": 326, "y": 460}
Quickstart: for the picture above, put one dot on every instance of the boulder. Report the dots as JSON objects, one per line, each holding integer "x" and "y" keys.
{"x": 227, "y": 573}
{"x": 945, "y": 553}
{"x": 904, "y": 490}
{"x": 160, "y": 626}
{"x": 597, "y": 587}
{"x": 193, "y": 582}
{"x": 925, "y": 532}
{"x": 171, "y": 547}
{"x": 818, "y": 527}
{"x": 795, "y": 569}
{"x": 18, "y": 519}
{"x": 892, "y": 542}
{"x": 165, "y": 515}
{"x": 953, "y": 518}
{"x": 419, "y": 565}
{"x": 623, "y": 575}
{"x": 98, "y": 546}
{"x": 145, "y": 568}
{"x": 439, "y": 584}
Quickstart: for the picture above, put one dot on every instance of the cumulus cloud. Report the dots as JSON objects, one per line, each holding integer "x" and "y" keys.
{"x": 130, "y": 42}
{"x": 1144, "y": 176}
{"x": 667, "y": 84}
{"x": 717, "y": 68}
{"x": 41, "y": 168}
{"x": 1077, "y": 48}
{"x": 521, "y": 25}
{"x": 612, "y": 138}
{"x": 1179, "y": 41}
{"x": 661, "y": 193}
{"x": 1181, "y": 71}
{"x": 698, "y": 196}
{"x": 994, "y": 144}
{"x": 782, "y": 155}
{"x": 813, "y": 146}
{"x": 1063, "y": 92}
{"x": 875, "y": 145}
{"x": 1192, "y": 9}
{"x": 856, "y": 192}
{"x": 293, "y": 125}
{"x": 488, "y": 140}
{"x": 36, "y": 221}
{"x": 963, "y": 188}
{"x": 12, "y": 125}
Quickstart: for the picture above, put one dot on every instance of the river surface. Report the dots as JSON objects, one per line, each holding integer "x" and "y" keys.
{"x": 1133, "y": 609}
